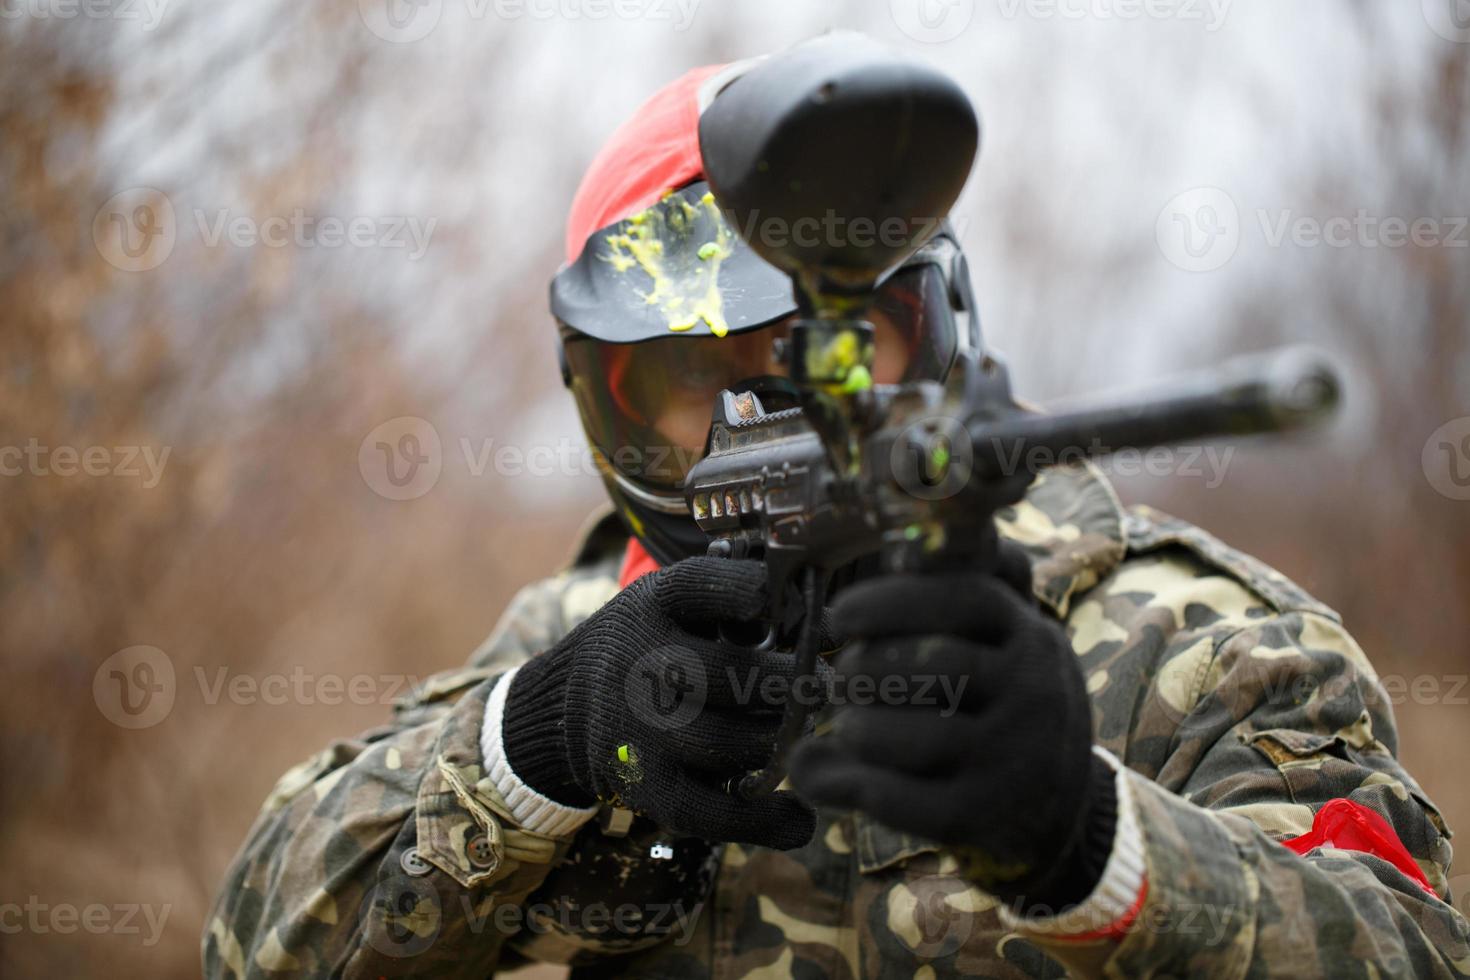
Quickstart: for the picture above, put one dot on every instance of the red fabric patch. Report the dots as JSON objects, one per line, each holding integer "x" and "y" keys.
{"x": 656, "y": 150}
{"x": 1350, "y": 826}
{"x": 637, "y": 562}
{"x": 1116, "y": 930}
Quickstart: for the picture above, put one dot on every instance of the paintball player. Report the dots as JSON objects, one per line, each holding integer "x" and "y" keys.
{"x": 1118, "y": 748}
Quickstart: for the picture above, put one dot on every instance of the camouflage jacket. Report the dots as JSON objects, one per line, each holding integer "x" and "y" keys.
{"x": 1238, "y": 704}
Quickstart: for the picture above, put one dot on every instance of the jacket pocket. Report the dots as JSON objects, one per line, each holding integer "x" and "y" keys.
{"x": 1318, "y": 768}
{"x": 1288, "y": 748}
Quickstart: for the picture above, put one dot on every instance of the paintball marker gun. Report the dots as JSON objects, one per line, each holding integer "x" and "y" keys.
{"x": 911, "y": 472}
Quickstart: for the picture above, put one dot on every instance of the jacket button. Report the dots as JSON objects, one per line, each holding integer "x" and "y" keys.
{"x": 414, "y": 864}
{"x": 481, "y": 852}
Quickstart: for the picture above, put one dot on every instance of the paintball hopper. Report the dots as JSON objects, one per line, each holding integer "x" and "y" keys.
{"x": 836, "y": 159}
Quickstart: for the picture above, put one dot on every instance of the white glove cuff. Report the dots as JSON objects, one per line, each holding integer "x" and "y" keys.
{"x": 532, "y": 811}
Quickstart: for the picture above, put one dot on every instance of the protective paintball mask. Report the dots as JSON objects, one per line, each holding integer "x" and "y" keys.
{"x": 663, "y": 309}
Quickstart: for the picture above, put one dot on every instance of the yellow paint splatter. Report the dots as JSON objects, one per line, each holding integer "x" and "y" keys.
{"x": 841, "y": 362}
{"x": 685, "y": 284}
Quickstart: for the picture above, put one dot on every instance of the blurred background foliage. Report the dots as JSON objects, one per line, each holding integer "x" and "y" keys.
{"x": 263, "y": 550}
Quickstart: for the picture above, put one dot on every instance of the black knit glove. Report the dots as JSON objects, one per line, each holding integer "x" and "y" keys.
{"x": 1001, "y": 767}
{"x": 643, "y": 706}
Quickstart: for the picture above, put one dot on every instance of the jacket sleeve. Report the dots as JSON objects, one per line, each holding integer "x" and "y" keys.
{"x": 392, "y": 854}
{"x": 1238, "y": 722}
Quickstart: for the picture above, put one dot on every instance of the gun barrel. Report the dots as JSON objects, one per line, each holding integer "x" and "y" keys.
{"x": 1269, "y": 392}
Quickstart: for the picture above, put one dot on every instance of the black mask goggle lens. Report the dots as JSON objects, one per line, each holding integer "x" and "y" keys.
{"x": 646, "y": 405}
